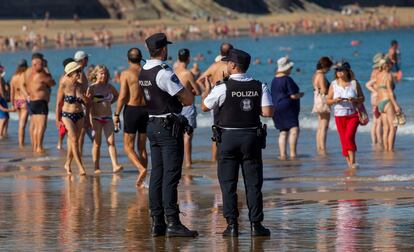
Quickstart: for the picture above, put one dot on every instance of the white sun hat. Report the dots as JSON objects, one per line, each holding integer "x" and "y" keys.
{"x": 284, "y": 64}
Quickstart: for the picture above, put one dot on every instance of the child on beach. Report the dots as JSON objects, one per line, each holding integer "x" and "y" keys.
{"x": 4, "y": 116}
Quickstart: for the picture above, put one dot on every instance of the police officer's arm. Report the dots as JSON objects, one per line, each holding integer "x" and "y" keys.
{"x": 169, "y": 82}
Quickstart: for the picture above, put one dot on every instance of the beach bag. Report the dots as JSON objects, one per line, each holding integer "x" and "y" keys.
{"x": 377, "y": 113}
{"x": 362, "y": 115}
{"x": 320, "y": 105}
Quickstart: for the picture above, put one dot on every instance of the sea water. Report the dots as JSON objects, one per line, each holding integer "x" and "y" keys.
{"x": 312, "y": 203}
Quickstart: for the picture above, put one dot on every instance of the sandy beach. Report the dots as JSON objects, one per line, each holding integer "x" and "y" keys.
{"x": 45, "y": 34}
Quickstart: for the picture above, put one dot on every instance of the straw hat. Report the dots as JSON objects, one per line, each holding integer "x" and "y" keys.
{"x": 71, "y": 67}
{"x": 284, "y": 64}
{"x": 376, "y": 59}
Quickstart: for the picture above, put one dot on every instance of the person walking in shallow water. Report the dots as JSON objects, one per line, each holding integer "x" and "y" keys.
{"x": 387, "y": 104}
{"x": 186, "y": 77}
{"x": 345, "y": 94}
{"x": 372, "y": 86}
{"x": 320, "y": 106}
{"x": 18, "y": 99}
{"x": 286, "y": 99}
{"x": 103, "y": 96}
{"x": 69, "y": 110}
{"x": 132, "y": 100}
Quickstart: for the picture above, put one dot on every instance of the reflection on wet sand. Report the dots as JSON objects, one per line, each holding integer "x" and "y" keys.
{"x": 96, "y": 213}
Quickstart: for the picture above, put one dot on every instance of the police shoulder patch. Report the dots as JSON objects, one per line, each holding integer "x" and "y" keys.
{"x": 175, "y": 79}
{"x": 165, "y": 66}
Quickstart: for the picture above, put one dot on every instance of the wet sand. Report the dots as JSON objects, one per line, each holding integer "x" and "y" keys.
{"x": 312, "y": 203}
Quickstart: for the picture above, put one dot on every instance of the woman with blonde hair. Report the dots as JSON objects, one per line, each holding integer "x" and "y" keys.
{"x": 345, "y": 95}
{"x": 103, "y": 96}
{"x": 371, "y": 85}
{"x": 387, "y": 104}
{"x": 320, "y": 107}
{"x": 69, "y": 110}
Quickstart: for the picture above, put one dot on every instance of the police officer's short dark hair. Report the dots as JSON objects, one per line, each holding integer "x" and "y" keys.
{"x": 225, "y": 49}
{"x": 394, "y": 42}
{"x": 155, "y": 52}
{"x": 183, "y": 55}
{"x": 134, "y": 55}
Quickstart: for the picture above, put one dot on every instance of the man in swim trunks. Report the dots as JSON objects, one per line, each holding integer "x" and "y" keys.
{"x": 186, "y": 78}
{"x": 82, "y": 59}
{"x": 38, "y": 84}
{"x": 216, "y": 72}
{"x": 135, "y": 114}
{"x": 394, "y": 55}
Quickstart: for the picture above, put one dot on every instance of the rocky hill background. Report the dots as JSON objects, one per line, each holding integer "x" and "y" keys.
{"x": 154, "y": 9}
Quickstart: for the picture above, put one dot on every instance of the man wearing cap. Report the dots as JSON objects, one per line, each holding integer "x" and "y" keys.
{"x": 135, "y": 115}
{"x": 186, "y": 77}
{"x": 215, "y": 73}
{"x": 82, "y": 59}
{"x": 38, "y": 86}
{"x": 164, "y": 97}
{"x": 239, "y": 101}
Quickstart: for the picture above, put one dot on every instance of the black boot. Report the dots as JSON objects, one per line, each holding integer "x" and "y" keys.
{"x": 232, "y": 229}
{"x": 258, "y": 229}
{"x": 176, "y": 229}
{"x": 158, "y": 226}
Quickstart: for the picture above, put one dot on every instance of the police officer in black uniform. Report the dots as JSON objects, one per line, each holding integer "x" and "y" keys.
{"x": 240, "y": 100}
{"x": 165, "y": 97}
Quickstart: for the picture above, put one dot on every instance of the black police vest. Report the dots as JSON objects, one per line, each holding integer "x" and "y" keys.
{"x": 158, "y": 101}
{"x": 242, "y": 106}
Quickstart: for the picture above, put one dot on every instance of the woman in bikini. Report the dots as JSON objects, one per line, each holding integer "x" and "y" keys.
{"x": 371, "y": 85}
{"x": 320, "y": 87}
{"x": 18, "y": 98}
{"x": 387, "y": 105}
{"x": 103, "y": 95}
{"x": 69, "y": 110}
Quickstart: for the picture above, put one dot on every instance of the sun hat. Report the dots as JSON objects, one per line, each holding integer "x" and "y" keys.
{"x": 376, "y": 59}
{"x": 80, "y": 55}
{"x": 342, "y": 65}
{"x": 71, "y": 67}
{"x": 284, "y": 64}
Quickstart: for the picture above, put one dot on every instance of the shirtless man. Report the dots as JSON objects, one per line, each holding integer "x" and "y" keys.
{"x": 394, "y": 55}
{"x": 38, "y": 85}
{"x": 82, "y": 59}
{"x": 216, "y": 72}
{"x": 18, "y": 98}
{"x": 135, "y": 114}
{"x": 186, "y": 78}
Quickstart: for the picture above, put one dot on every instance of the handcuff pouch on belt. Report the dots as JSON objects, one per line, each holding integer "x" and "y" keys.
{"x": 262, "y": 134}
{"x": 178, "y": 124}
